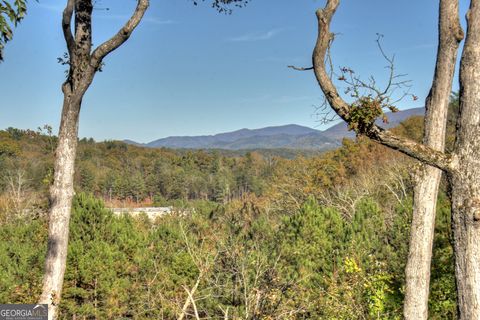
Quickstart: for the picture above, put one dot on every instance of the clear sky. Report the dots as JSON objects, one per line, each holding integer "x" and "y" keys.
{"x": 188, "y": 70}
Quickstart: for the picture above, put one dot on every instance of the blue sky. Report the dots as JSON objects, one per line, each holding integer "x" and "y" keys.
{"x": 188, "y": 70}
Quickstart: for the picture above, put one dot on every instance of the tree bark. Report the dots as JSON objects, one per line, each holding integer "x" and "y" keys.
{"x": 61, "y": 194}
{"x": 83, "y": 66}
{"x": 465, "y": 181}
{"x": 427, "y": 179}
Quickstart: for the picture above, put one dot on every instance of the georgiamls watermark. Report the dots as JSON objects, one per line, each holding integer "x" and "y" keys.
{"x": 23, "y": 312}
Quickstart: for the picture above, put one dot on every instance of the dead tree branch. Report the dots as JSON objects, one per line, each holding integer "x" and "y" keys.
{"x": 300, "y": 68}
{"x": 343, "y": 109}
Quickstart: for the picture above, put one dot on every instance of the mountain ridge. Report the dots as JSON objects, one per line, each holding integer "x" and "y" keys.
{"x": 290, "y": 136}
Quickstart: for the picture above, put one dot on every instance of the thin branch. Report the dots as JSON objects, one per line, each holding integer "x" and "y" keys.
{"x": 225, "y": 312}
{"x": 122, "y": 35}
{"x": 300, "y": 68}
{"x": 190, "y": 296}
{"x": 418, "y": 151}
{"x": 203, "y": 268}
{"x": 325, "y": 114}
{"x": 67, "y": 31}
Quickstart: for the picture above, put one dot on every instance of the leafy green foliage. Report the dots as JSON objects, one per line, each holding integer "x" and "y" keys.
{"x": 8, "y": 146}
{"x": 365, "y": 111}
{"x": 10, "y": 15}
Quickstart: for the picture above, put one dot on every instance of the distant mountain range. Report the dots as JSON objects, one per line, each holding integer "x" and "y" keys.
{"x": 290, "y": 136}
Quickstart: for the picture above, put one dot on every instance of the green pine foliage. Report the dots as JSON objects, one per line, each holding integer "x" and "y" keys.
{"x": 312, "y": 264}
{"x": 22, "y": 254}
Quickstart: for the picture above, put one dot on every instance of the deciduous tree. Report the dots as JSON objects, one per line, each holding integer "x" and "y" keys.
{"x": 83, "y": 61}
{"x": 462, "y": 165}
{"x": 83, "y": 64}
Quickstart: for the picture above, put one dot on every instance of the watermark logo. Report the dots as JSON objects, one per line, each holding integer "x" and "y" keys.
{"x": 23, "y": 312}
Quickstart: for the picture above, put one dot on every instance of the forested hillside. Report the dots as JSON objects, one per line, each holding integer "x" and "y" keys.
{"x": 318, "y": 237}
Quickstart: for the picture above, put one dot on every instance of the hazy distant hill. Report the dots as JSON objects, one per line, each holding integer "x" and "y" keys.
{"x": 313, "y": 140}
{"x": 287, "y": 137}
{"x": 235, "y": 138}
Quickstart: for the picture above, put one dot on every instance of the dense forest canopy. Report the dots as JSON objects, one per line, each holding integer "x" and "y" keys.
{"x": 318, "y": 237}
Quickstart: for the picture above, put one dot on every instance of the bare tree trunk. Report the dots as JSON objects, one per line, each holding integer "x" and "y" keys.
{"x": 417, "y": 271}
{"x": 83, "y": 65}
{"x": 61, "y": 194}
{"x": 466, "y": 180}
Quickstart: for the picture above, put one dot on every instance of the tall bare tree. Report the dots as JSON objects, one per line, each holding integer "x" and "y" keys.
{"x": 83, "y": 64}
{"x": 462, "y": 166}
{"x": 427, "y": 179}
